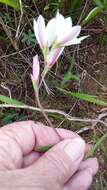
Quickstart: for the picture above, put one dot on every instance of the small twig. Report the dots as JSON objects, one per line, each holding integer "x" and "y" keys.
{"x": 82, "y": 13}
{"x": 68, "y": 114}
{"x": 14, "y": 53}
{"x": 68, "y": 117}
{"x": 103, "y": 110}
{"x": 102, "y": 115}
{"x": 43, "y": 81}
{"x": 47, "y": 88}
{"x": 42, "y": 109}
{"x": 8, "y": 34}
{"x": 6, "y": 88}
{"x": 20, "y": 20}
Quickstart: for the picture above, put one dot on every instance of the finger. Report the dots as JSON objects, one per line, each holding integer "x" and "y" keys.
{"x": 30, "y": 159}
{"x": 63, "y": 160}
{"x": 26, "y": 133}
{"x": 80, "y": 181}
{"x": 65, "y": 134}
{"x": 34, "y": 156}
{"x": 83, "y": 178}
{"x": 16, "y": 140}
{"x": 90, "y": 163}
{"x": 19, "y": 139}
{"x": 47, "y": 136}
{"x": 21, "y": 133}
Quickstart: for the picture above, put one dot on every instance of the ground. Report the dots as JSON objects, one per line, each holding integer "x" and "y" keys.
{"x": 90, "y": 66}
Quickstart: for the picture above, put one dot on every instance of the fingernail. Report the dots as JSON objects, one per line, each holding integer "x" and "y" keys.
{"x": 75, "y": 149}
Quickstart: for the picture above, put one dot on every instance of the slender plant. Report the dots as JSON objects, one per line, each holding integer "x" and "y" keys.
{"x": 52, "y": 39}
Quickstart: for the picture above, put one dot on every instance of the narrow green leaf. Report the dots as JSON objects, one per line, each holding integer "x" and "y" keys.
{"x": 93, "y": 13}
{"x": 85, "y": 97}
{"x": 43, "y": 149}
{"x": 96, "y": 146}
{"x": 8, "y": 100}
{"x": 12, "y": 3}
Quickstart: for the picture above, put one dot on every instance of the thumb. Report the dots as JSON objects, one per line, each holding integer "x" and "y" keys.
{"x": 60, "y": 162}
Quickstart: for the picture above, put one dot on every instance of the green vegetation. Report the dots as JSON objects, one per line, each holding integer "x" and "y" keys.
{"x": 12, "y": 3}
{"x": 101, "y": 7}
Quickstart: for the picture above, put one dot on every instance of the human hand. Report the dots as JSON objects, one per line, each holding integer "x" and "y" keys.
{"x": 60, "y": 168}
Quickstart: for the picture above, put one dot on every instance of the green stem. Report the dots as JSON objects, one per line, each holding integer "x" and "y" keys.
{"x": 46, "y": 69}
{"x": 44, "y": 113}
{"x": 42, "y": 110}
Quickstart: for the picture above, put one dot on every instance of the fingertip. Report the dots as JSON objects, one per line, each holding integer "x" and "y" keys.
{"x": 75, "y": 148}
{"x": 91, "y": 164}
{"x": 81, "y": 180}
{"x": 94, "y": 166}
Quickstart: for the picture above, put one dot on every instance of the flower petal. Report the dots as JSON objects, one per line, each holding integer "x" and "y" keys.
{"x": 36, "y": 68}
{"x": 41, "y": 30}
{"x": 53, "y": 56}
{"x": 60, "y": 26}
{"x": 75, "y": 31}
{"x": 36, "y": 30}
{"x": 50, "y": 31}
{"x": 68, "y": 22}
{"x": 75, "y": 41}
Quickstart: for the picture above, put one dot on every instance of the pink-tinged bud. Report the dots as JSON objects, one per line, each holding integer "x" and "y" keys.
{"x": 36, "y": 69}
{"x": 53, "y": 56}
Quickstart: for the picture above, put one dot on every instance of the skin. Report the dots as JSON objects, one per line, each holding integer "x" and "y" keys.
{"x": 60, "y": 168}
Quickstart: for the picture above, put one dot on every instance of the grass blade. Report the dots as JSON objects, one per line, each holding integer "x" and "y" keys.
{"x": 8, "y": 100}
{"x": 85, "y": 97}
{"x": 96, "y": 146}
{"x": 92, "y": 14}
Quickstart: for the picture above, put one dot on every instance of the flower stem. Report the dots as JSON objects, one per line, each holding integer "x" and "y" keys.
{"x": 46, "y": 69}
{"x": 45, "y": 115}
{"x": 42, "y": 110}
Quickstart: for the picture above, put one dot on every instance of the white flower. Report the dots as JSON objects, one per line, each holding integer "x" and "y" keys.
{"x": 45, "y": 34}
{"x": 59, "y": 31}
{"x": 66, "y": 34}
{"x": 53, "y": 37}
